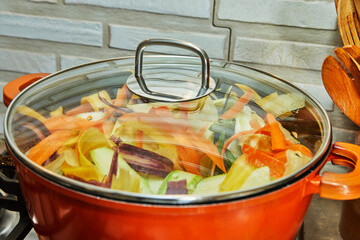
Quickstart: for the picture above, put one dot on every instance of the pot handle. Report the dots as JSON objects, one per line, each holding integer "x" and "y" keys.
{"x": 342, "y": 186}
{"x": 13, "y": 88}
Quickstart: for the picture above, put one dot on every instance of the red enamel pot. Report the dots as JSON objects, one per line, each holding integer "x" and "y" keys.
{"x": 64, "y": 208}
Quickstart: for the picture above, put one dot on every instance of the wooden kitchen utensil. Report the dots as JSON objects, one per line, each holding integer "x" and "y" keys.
{"x": 348, "y": 22}
{"x": 349, "y": 62}
{"x": 343, "y": 89}
{"x": 357, "y": 6}
{"x": 353, "y": 51}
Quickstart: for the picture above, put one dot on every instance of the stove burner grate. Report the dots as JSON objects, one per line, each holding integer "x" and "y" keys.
{"x": 11, "y": 200}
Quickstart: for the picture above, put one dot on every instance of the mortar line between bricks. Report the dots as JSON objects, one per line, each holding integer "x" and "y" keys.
{"x": 106, "y": 35}
{"x": 58, "y": 61}
{"x": 229, "y": 28}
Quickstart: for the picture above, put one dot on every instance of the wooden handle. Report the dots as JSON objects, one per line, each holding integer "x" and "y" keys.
{"x": 342, "y": 186}
{"x": 13, "y": 88}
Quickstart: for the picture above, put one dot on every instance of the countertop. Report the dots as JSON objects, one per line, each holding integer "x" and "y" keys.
{"x": 322, "y": 220}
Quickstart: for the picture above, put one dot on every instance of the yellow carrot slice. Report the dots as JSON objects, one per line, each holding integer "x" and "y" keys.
{"x": 24, "y": 110}
{"x": 86, "y": 173}
{"x": 90, "y": 139}
{"x": 57, "y": 112}
{"x": 95, "y": 101}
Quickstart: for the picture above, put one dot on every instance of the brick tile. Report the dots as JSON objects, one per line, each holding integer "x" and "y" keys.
{"x": 51, "y": 29}
{"x": 189, "y": 8}
{"x": 128, "y": 37}
{"x": 44, "y": 1}
{"x": 27, "y": 62}
{"x": 300, "y": 13}
{"x": 281, "y": 53}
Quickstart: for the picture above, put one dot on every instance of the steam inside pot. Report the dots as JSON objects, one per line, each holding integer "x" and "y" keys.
{"x": 232, "y": 139}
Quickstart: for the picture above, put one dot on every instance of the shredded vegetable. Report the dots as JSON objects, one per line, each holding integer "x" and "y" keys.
{"x": 171, "y": 148}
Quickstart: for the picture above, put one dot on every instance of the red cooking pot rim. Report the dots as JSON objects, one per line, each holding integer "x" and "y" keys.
{"x": 232, "y": 68}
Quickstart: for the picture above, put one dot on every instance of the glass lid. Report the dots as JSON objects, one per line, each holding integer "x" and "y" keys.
{"x": 83, "y": 128}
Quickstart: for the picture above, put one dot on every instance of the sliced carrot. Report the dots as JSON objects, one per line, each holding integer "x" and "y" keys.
{"x": 265, "y": 130}
{"x": 233, "y": 138}
{"x": 258, "y": 158}
{"x": 107, "y": 127}
{"x": 86, "y": 107}
{"x": 278, "y": 140}
{"x": 238, "y": 106}
{"x": 162, "y": 111}
{"x": 86, "y": 173}
{"x": 177, "y": 129}
{"x": 254, "y": 124}
{"x": 202, "y": 131}
{"x": 190, "y": 159}
{"x": 184, "y": 110}
{"x": 24, "y": 110}
{"x": 207, "y": 147}
{"x": 49, "y": 145}
{"x": 121, "y": 98}
{"x": 139, "y": 138}
{"x": 69, "y": 122}
{"x": 281, "y": 156}
{"x": 162, "y": 123}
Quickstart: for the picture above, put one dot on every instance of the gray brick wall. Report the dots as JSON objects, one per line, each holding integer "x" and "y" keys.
{"x": 287, "y": 38}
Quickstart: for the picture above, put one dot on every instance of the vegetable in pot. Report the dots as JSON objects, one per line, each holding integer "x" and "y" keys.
{"x": 227, "y": 142}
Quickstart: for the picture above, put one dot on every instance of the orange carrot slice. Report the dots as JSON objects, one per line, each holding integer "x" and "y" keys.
{"x": 238, "y": 106}
{"x": 278, "y": 140}
{"x": 190, "y": 159}
{"x": 281, "y": 156}
{"x": 86, "y": 107}
{"x": 121, "y": 98}
{"x": 70, "y": 122}
{"x": 208, "y": 148}
{"x": 49, "y": 145}
{"x": 233, "y": 138}
{"x": 258, "y": 158}
{"x": 139, "y": 138}
{"x": 184, "y": 110}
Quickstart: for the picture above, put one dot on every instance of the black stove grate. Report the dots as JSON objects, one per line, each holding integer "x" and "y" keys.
{"x": 11, "y": 198}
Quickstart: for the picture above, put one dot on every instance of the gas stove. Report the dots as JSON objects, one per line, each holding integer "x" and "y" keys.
{"x": 14, "y": 220}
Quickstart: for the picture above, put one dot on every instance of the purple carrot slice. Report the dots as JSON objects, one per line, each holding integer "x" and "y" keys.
{"x": 176, "y": 187}
{"x": 145, "y": 161}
